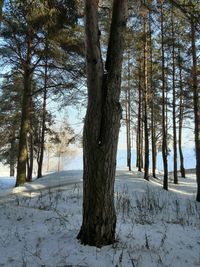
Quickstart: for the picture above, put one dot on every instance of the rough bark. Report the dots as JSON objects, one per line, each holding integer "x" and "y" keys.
{"x": 101, "y": 127}
{"x": 25, "y": 118}
{"x": 196, "y": 100}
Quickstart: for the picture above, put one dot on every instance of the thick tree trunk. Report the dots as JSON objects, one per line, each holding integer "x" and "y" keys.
{"x": 146, "y": 130}
{"x": 196, "y": 100}
{"x": 25, "y": 128}
{"x": 164, "y": 131}
{"x": 180, "y": 126}
{"x": 25, "y": 117}
{"x": 101, "y": 126}
{"x": 174, "y": 102}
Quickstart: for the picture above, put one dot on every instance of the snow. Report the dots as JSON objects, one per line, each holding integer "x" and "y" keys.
{"x": 39, "y": 223}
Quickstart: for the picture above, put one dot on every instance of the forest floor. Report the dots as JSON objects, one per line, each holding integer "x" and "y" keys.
{"x": 39, "y": 223}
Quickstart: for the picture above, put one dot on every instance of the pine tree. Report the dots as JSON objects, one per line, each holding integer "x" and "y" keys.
{"x": 101, "y": 126}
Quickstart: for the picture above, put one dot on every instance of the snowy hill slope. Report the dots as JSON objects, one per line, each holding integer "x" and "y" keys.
{"x": 39, "y": 223}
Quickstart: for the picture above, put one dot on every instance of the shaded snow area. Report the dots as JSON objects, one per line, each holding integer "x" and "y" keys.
{"x": 39, "y": 223}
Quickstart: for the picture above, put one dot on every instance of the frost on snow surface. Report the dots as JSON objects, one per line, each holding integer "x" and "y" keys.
{"x": 39, "y": 223}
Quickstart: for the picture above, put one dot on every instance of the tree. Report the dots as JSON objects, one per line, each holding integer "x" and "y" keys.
{"x": 25, "y": 26}
{"x": 174, "y": 98}
{"x": 10, "y": 105}
{"x": 1, "y": 7}
{"x": 101, "y": 127}
{"x": 164, "y": 127}
{"x": 196, "y": 100}
{"x": 146, "y": 96}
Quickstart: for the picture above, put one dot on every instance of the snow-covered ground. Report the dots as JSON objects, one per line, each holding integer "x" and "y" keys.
{"x": 39, "y": 223}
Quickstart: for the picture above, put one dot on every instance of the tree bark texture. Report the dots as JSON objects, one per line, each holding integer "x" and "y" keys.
{"x": 25, "y": 118}
{"x": 25, "y": 127}
{"x": 196, "y": 100}
{"x": 101, "y": 127}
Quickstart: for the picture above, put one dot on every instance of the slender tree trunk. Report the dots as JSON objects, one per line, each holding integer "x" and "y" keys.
{"x": 12, "y": 155}
{"x": 164, "y": 131}
{"x": 41, "y": 155}
{"x": 137, "y": 148}
{"x": 128, "y": 118}
{"x": 196, "y": 100}
{"x": 30, "y": 145}
{"x": 146, "y": 130}
{"x": 180, "y": 127}
{"x": 30, "y": 157}
{"x": 153, "y": 134}
{"x": 139, "y": 127}
{"x": 1, "y": 7}
{"x": 48, "y": 159}
{"x": 174, "y": 101}
{"x": 101, "y": 127}
{"x": 142, "y": 137}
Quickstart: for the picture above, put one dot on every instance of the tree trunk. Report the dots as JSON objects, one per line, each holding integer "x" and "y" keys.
{"x": 196, "y": 106}
{"x": 146, "y": 130}
{"x": 25, "y": 128}
{"x": 101, "y": 127}
{"x": 128, "y": 118}
{"x": 180, "y": 126}
{"x": 153, "y": 134}
{"x": 48, "y": 159}
{"x": 25, "y": 118}
{"x": 12, "y": 155}
{"x": 139, "y": 127}
{"x": 30, "y": 157}
{"x": 30, "y": 144}
{"x": 1, "y": 7}
{"x": 174, "y": 102}
{"x": 41, "y": 155}
{"x": 164, "y": 132}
